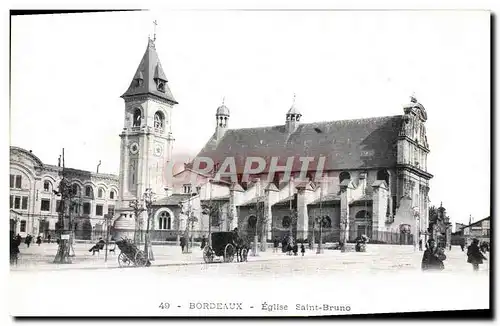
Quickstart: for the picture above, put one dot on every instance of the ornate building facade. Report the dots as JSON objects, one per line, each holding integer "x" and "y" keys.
{"x": 34, "y": 205}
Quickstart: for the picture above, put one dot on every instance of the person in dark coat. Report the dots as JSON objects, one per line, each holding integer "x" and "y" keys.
{"x": 302, "y": 249}
{"x": 38, "y": 240}
{"x": 18, "y": 239}
{"x": 420, "y": 248}
{"x": 462, "y": 246}
{"x": 295, "y": 249}
{"x": 474, "y": 255}
{"x": 48, "y": 238}
{"x": 203, "y": 242}
{"x": 98, "y": 246}
{"x": 433, "y": 257}
{"x": 183, "y": 243}
{"x": 14, "y": 250}
{"x": 28, "y": 239}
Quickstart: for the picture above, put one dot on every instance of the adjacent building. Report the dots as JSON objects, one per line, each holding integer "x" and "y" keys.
{"x": 479, "y": 230}
{"x": 34, "y": 205}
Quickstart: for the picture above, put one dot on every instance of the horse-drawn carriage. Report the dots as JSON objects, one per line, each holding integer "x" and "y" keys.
{"x": 225, "y": 245}
{"x": 131, "y": 255}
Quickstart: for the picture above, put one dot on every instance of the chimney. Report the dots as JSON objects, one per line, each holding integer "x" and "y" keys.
{"x": 168, "y": 191}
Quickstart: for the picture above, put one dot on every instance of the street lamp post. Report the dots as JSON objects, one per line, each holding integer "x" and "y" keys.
{"x": 108, "y": 218}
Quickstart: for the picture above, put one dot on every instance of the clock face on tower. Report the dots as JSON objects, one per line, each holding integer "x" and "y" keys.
{"x": 158, "y": 149}
{"x": 134, "y": 148}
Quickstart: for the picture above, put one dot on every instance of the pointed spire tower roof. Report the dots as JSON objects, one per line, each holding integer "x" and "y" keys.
{"x": 148, "y": 76}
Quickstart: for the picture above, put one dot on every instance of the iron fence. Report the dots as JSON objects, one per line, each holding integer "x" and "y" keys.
{"x": 329, "y": 235}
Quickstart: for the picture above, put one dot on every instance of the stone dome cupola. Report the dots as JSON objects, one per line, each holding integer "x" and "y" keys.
{"x": 222, "y": 120}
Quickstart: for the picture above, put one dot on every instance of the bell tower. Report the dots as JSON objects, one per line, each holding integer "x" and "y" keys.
{"x": 146, "y": 138}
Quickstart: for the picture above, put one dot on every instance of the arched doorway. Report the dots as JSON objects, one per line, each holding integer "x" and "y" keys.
{"x": 363, "y": 222}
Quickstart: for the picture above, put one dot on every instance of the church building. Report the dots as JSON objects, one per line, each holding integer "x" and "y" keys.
{"x": 374, "y": 179}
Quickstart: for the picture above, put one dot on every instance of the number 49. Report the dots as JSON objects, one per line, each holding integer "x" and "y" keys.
{"x": 164, "y": 305}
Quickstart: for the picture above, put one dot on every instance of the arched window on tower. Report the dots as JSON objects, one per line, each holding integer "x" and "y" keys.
{"x": 344, "y": 176}
{"x": 100, "y": 193}
{"x": 159, "y": 120}
{"x": 137, "y": 118}
{"x": 46, "y": 186}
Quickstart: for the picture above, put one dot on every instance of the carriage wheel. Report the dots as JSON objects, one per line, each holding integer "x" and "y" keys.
{"x": 244, "y": 254}
{"x": 140, "y": 259}
{"x": 123, "y": 260}
{"x": 229, "y": 253}
{"x": 208, "y": 255}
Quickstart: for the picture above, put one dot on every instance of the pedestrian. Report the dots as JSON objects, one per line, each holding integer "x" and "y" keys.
{"x": 450, "y": 245}
{"x": 462, "y": 246}
{"x": 433, "y": 257}
{"x": 14, "y": 250}
{"x": 276, "y": 244}
{"x": 203, "y": 242}
{"x": 48, "y": 238}
{"x": 284, "y": 245}
{"x": 420, "y": 245}
{"x": 474, "y": 255}
{"x": 295, "y": 248}
{"x": 18, "y": 239}
{"x": 38, "y": 240}
{"x": 183, "y": 243}
{"x": 28, "y": 239}
{"x": 302, "y": 249}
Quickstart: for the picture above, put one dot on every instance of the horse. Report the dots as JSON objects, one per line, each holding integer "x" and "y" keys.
{"x": 241, "y": 244}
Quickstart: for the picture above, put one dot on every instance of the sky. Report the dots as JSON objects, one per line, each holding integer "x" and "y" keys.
{"x": 68, "y": 72}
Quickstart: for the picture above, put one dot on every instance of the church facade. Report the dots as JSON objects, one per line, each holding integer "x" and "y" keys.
{"x": 373, "y": 176}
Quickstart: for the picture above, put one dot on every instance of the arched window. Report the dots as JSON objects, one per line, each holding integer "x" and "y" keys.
{"x": 100, "y": 193}
{"x": 344, "y": 176}
{"x": 76, "y": 190}
{"x": 252, "y": 221}
{"x": 383, "y": 175}
{"x": 88, "y": 191}
{"x": 164, "y": 221}
{"x": 286, "y": 221}
{"x": 159, "y": 120}
{"x": 46, "y": 186}
{"x": 363, "y": 215}
{"x": 111, "y": 194}
{"x": 137, "y": 118}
